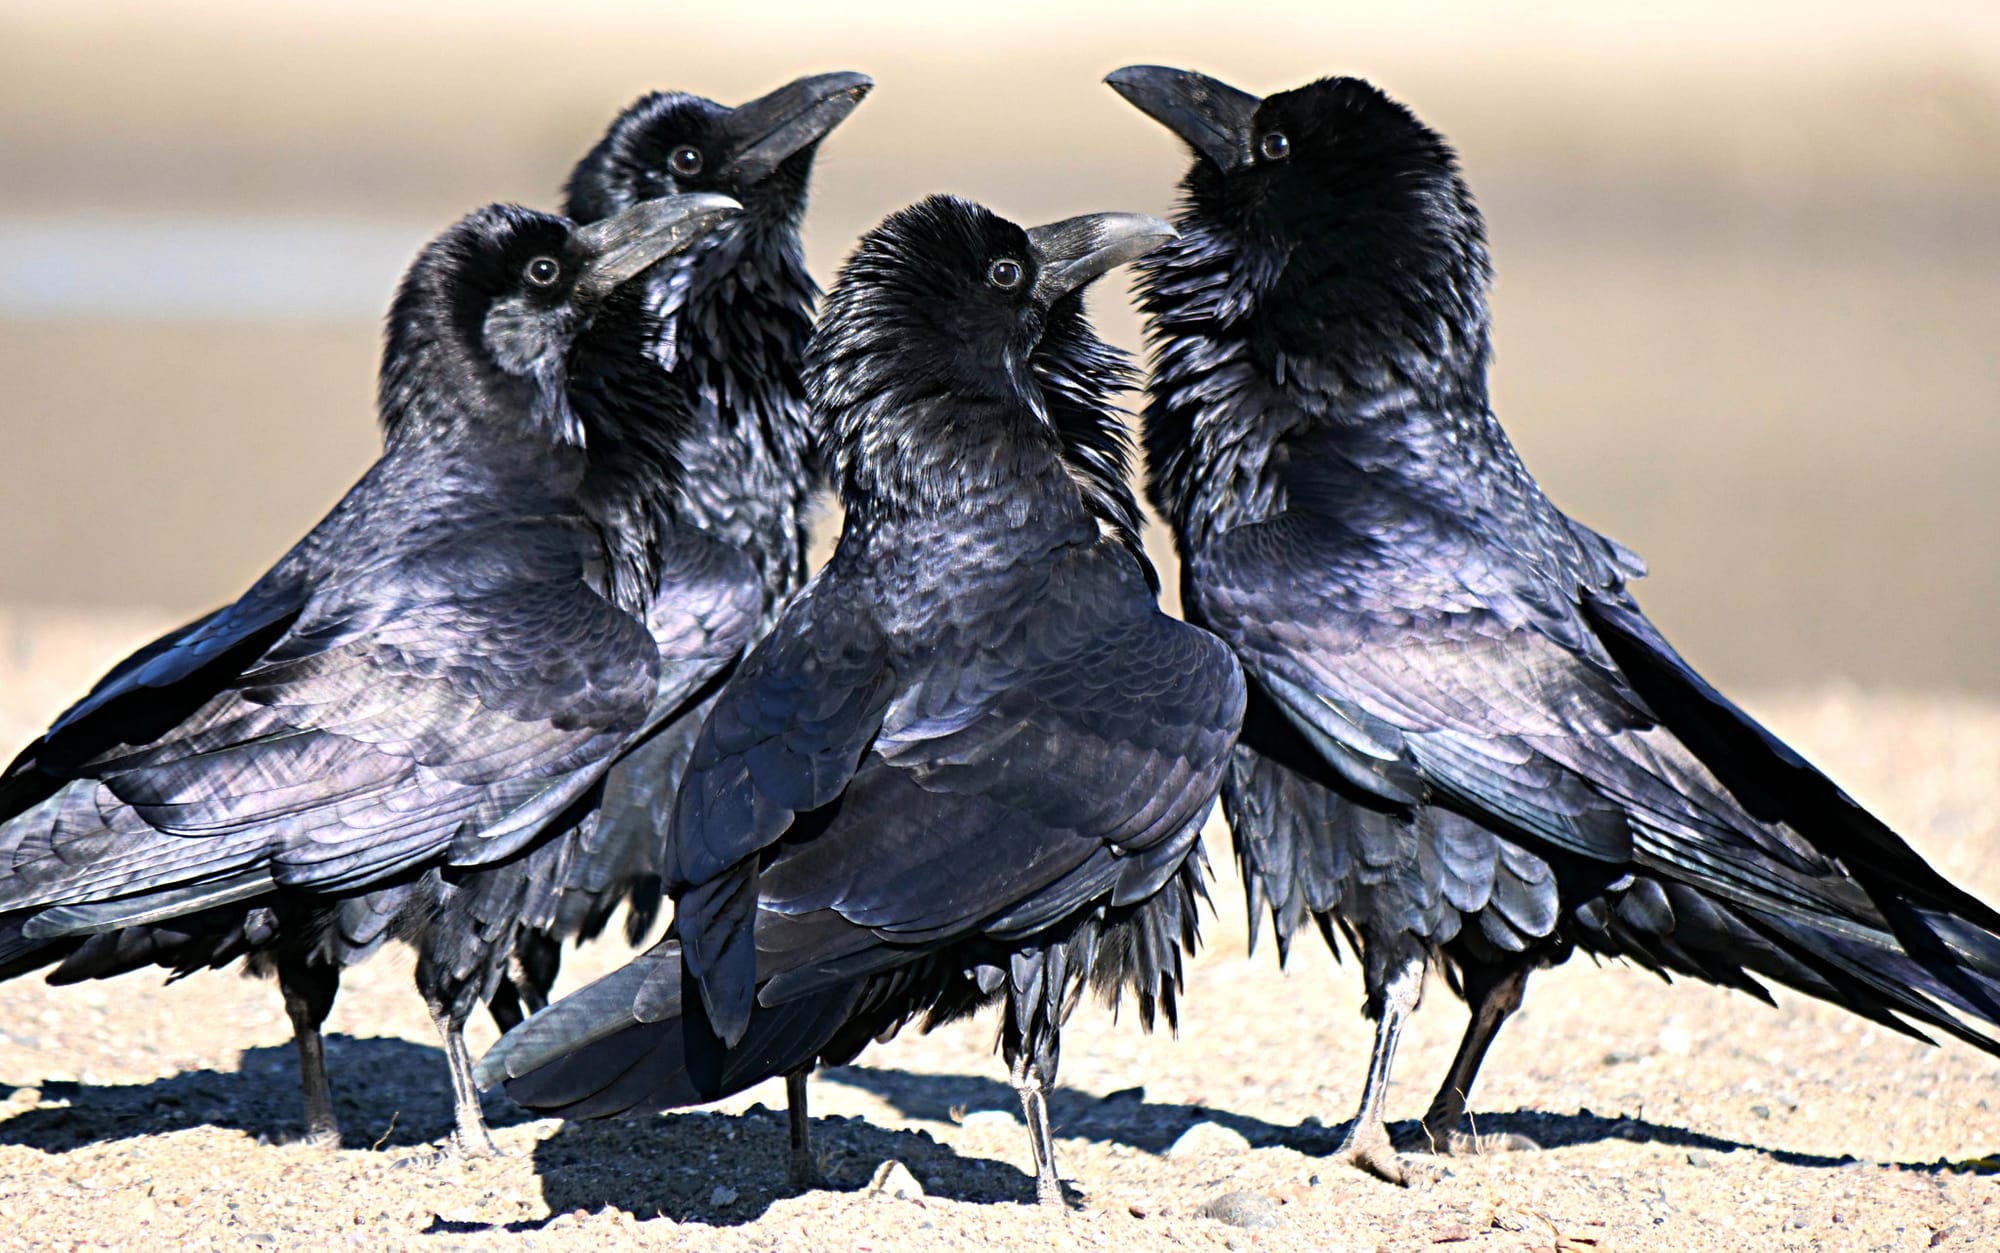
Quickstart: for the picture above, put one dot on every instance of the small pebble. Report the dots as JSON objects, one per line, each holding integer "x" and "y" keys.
{"x": 723, "y": 1195}
{"x": 1243, "y": 1209}
{"x": 1205, "y": 1138}
{"x": 1675, "y": 1040}
{"x": 989, "y": 1118}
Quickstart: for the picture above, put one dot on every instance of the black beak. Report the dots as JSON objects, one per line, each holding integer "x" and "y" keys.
{"x": 620, "y": 246}
{"x": 772, "y": 127}
{"x": 1211, "y": 116}
{"x": 1074, "y": 251}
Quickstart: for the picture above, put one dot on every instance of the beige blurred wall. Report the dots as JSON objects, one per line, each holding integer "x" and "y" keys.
{"x": 1749, "y": 256}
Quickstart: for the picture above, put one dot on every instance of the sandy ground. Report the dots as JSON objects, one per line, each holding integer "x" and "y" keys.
{"x": 140, "y": 1116}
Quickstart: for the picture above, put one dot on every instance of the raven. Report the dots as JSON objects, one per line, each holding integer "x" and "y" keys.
{"x": 1465, "y": 743}
{"x": 971, "y": 761}
{"x": 722, "y": 356}
{"x": 426, "y": 687}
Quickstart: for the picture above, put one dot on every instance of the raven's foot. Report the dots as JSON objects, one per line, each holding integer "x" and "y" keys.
{"x": 1457, "y": 1143}
{"x": 1370, "y": 1150}
{"x": 1053, "y": 1192}
{"x": 803, "y": 1174}
{"x": 467, "y": 1145}
{"x": 455, "y": 1149}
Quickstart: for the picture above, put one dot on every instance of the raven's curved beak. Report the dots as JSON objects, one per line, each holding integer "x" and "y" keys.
{"x": 767, "y": 130}
{"x": 1211, "y": 116}
{"x": 620, "y": 246}
{"x": 1074, "y": 251}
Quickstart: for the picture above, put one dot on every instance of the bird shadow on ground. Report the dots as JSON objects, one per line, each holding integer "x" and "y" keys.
{"x": 1122, "y": 1117}
{"x": 1554, "y": 1131}
{"x": 388, "y": 1093}
{"x": 726, "y": 1170}
{"x": 1126, "y": 1117}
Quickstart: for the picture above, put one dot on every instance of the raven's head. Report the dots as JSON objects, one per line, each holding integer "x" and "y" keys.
{"x": 490, "y": 313}
{"x": 950, "y": 324}
{"x": 1328, "y": 195}
{"x": 761, "y": 153}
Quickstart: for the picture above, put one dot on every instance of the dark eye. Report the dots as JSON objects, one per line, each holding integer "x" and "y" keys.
{"x": 1274, "y": 146}
{"x": 1006, "y": 275}
{"x": 686, "y": 162}
{"x": 544, "y": 271}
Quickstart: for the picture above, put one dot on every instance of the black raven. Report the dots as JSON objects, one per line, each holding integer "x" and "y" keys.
{"x": 723, "y": 357}
{"x": 429, "y": 685}
{"x": 1465, "y": 741}
{"x": 971, "y": 761}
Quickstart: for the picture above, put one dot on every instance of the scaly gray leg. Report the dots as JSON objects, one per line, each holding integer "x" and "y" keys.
{"x": 1367, "y": 1144}
{"x": 1032, "y": 1085}
{"x": 469, "y": 1137}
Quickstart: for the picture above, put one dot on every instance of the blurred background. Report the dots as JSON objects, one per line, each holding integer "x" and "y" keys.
{"x": 1748, "y": 300}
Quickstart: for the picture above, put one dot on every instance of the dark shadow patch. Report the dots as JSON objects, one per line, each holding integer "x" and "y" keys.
{"x": 1122, "y": 1117}
{"x": 727, "y": 1169}
{"x": 387, "y": 1092}
{"x": 1554, "y": 1131}
{"x": 1127, "y": 1118}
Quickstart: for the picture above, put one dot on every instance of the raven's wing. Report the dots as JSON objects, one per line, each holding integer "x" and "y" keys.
{"x": 1058, "y": 752}
{"x": 152, "y": 690}
{"x": 1421, "y": 659}
{"x": 442, "y": 707}
{"x": 785, "y": 737}
{"x": 703, "y": 615}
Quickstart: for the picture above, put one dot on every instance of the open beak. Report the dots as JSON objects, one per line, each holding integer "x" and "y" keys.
{"x": 1213, "y": 118}
{"x": 772, "y": 127}
{"x": 1074, "y": 251}
{"x": 620, "y": 246}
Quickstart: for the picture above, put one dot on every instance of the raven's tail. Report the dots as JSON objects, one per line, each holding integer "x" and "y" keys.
{"x": 1677, "y": 928}
{"x": 1882, "y": 931}
{"x": 624, "y": 1044}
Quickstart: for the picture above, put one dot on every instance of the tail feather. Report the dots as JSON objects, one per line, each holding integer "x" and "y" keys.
{"x": 1939, "y": 947}
{"x": 1681, "y": 930}
{"x": 1772, "y": 781}
{"x": 631, "y": 1042}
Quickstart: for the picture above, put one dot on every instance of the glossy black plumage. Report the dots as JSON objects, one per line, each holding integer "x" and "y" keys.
{"x": 1465, "y": 740}
{"x": 704, "y": 426}
{"x": 971, "y": 760}
{"x": 416, "y": 698}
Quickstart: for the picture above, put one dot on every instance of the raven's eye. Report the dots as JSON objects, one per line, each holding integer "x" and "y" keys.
{"x": 1006, "y": 275}
{"x": 544, "y": 271}
{"x": 686, "y": 162}
{"x": 1274, "y": 146}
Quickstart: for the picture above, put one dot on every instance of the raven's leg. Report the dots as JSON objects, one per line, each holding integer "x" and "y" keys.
{"x": 1032, "y": 1071}
{"x": 469, "y": 1137}
{"x": 1493, "y": 992}
{"x": 309, "y": 988}
{"x": 539, "y": 958}
{"x": 505, "y": 1007}
{"x": 803, "y": 1172}
{"x": 1367, "y": 1144}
